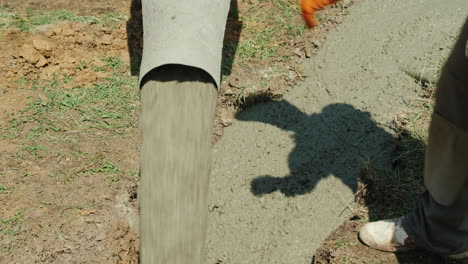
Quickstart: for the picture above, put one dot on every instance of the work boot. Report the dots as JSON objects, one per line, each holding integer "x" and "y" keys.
{"x": 386, "y": 235}
{"x": 389, "y": 236}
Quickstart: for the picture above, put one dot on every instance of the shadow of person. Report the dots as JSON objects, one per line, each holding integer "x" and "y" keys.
{"x": 135, "y": 37}
{"x": 335, "y": 141}
{"x": 344, "y": 141}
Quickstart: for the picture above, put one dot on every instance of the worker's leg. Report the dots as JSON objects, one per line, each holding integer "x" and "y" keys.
{"x": 439, "y": 223}
{"x": 178, "y": 105}
{"x": 439, "y": 219}
{"x": 439, "y": 228}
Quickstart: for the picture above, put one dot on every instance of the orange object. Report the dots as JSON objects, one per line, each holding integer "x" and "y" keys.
{"x": 310, "y": 6}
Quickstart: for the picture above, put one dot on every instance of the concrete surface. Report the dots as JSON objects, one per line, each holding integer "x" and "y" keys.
{"x": 285, "y": 173}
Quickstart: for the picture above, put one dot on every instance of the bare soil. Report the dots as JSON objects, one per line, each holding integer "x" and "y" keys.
{"x": 83, "y": 219}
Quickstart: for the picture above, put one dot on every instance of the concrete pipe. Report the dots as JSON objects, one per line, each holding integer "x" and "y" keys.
{"x": 179, "y": 73}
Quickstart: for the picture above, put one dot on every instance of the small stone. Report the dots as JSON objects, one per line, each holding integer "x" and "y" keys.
{"x": 101, "y": 236}
{"x": 218, "y": 131}
{"x": 226, "y": 121}
{"x": 49, "y": 71}
{"x": 68, "y": 60}
{"x": 106, "y": 40}
{"x": 49, "y": 33}
{"x": 299, "y": 52}
{"x": 106, "y": 30}
{"x": 292, "y": 75}
{"x": 235, "y": 82}
{"x": 56, "y": 30}
{"x": 89, "y": 235}
{"x": 29, "y": 54}
{"x": 86, "y": 212}
{"x": 68, "y": 30}
{"x": 42, "y": 62}
{"x": 43, "y": 45}
{"x": 9, "y": 74}
{"x": 265, "y": 73}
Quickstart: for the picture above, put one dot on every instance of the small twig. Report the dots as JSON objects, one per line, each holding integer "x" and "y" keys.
{"x": 359, "y": 191}
{"x": 73, "y": 118}
{"x": 347, "y": 205}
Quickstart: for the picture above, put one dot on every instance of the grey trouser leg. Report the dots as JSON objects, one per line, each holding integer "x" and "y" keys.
{"x": 178, "y": 107}
{"x": 439, "y": 228}
{"x": 439, "y": 220}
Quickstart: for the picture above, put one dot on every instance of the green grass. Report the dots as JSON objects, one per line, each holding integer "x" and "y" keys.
{"x": 258, "y": 46}
{"x": 108, "y": 167}
{"x": 59, "y": 119}
{"x": 111, "y": 172}
{"x": 36, "y": 151}
{"x": 30, "y": 19}
{"x": 267, "y": 33}
{"x": 36, "y": 132}
{"x": 134, "y": 173}
{"x": 90, "y": 166}
{"x": 288, "y": 20}
{"x": 113, "y": 62}
{"x": 345, "y": 242}
{"x": 5, "y": 189}
{"x": 283, "y": 19}
{"x": 12, "y": 226}
{"x": 108, "y": 105}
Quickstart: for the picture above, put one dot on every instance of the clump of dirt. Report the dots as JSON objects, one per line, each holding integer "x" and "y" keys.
{"x": 123, "y": 241}
{"x": 69, "y": 49}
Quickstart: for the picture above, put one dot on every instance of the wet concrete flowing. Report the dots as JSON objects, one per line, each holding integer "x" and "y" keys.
{"x": 178, "y": 105}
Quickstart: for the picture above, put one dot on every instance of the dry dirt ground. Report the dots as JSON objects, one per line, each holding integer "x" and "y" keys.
{"x": 69, "y": 115}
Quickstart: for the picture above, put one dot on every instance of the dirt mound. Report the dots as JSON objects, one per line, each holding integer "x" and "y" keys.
{"x": 70, "y": 48}
{"x": 60, "y": 51}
